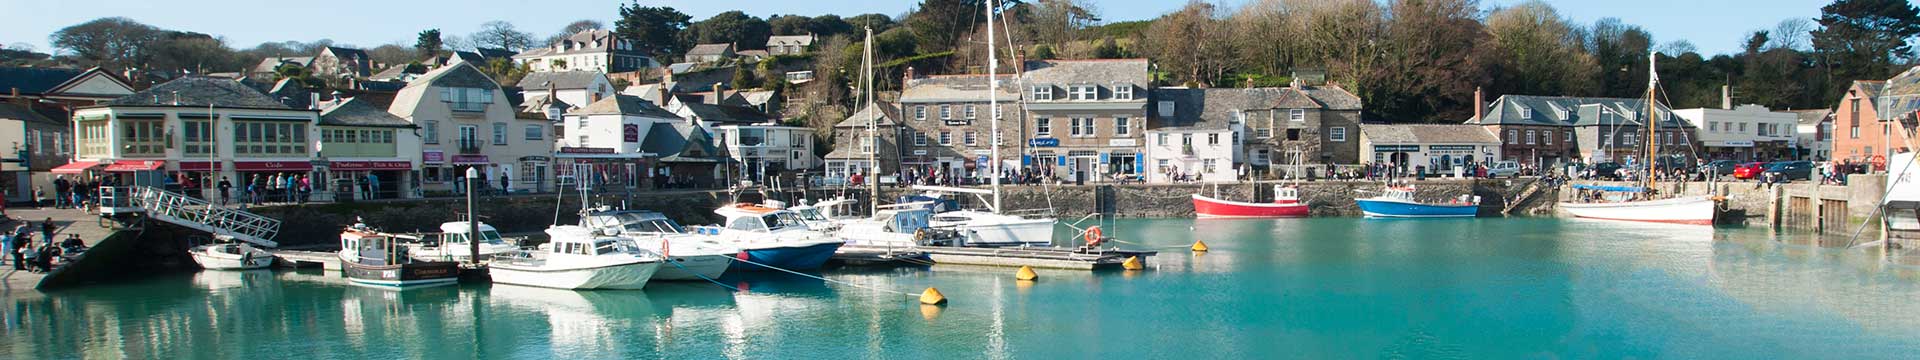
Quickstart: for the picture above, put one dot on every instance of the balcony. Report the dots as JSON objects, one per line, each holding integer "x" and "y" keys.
{"x": 469, "y": 146}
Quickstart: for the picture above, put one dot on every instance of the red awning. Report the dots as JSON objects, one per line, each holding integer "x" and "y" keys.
{"x": 135, "y": 165}
{"x": 272, "y": 166}
{"x": 75, "y": 167}
{"x": 199, "y": 166}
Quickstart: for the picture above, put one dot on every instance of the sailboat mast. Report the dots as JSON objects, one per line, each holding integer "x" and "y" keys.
{"x": 993, "y": 107}
{"x": 873, "y": 163}
{"x": 1653, "y": 120}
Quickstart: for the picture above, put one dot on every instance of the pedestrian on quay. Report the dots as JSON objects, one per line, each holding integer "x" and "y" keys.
{"x": 47, "y": 228}
{"x": 506, "y": 187}
{"x": 293, "y": 188}
{"x": 226, "y": 191}
{"x": 60, "y": 190}
{"x": 6, "y": 249}
{"x": 306, "y": 189}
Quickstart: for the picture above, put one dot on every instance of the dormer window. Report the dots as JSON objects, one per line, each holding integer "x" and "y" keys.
{"x": 1123, "y": 92}
{"x": 1084, "y": 92}
{"x": 1526, "y": 113}
{"x": 1043, "y": 93}
{"x": 1166, "y": 108}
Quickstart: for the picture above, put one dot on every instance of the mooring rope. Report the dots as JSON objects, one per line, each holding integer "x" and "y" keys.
{"x": 695, "y": 273}
{"x": 828, "y": 280}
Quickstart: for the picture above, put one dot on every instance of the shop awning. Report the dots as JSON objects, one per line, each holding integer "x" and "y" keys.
{"x": 272, "y": 165}
{"x": 132, "y": 166}
{"x": 76, "y": 167}
{"x": 370, "y": 165}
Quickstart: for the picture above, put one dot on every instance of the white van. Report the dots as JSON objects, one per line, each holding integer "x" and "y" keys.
{"x": 1507, "y": 168}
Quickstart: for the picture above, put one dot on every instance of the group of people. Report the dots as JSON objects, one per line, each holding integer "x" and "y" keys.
{"x": 274, "y": 188}
{"x": 19, "y": 244}
{"x": 74, "y": 193}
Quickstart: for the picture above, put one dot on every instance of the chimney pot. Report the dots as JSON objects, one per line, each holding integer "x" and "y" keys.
{"x": 715, "y": 99}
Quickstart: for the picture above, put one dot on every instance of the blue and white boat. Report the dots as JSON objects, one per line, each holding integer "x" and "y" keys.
{"x": 1398, "y": 202}
{"x": 772, "y": 237}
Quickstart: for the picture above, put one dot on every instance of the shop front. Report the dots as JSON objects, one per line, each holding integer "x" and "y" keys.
{"x": 272, "y": 181}
{"x": 602, "y": 170}
{"x": 370, "y": 179}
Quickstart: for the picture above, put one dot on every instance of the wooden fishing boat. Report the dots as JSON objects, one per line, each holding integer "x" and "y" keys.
{"x": 1286, "y": 203}
{"x": 373, "y": 258}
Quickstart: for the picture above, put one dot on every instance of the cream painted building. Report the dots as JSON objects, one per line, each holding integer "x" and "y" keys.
{"x": 1745, "y": 133}
{"x": 168, "y": 130}
{"x": 466, "y": 122}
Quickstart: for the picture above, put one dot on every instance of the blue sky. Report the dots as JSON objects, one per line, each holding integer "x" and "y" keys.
{"x": 1714, "y": 26}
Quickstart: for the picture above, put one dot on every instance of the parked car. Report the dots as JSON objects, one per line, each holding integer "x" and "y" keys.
{"x": 1791, "y": 170}
{"x": 1719, "y": 167}
{"x": 1748, "y": 171}
{"x": 1508, "y": 168}
{"x": 1607, "y": 170}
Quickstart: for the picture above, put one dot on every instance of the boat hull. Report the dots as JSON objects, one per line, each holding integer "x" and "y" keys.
{"x": 1015, "y": 233}
{"x": 694, "y": 267}
{"x": 1206, "y": 207}
{"x": 400, "y": 276}
{"x": 1692, "y": 210}
{"x": 633, "y": 275}
{"x": 799, "y": 257}
{"x": 1379, "y": 208}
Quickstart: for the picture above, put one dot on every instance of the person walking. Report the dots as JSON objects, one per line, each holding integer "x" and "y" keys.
{"x": 306, "y": 189}
{"x": 46, "y": 230}
{"x": 19, "y": 246}
{"x": 506, "y": 187}
{"x": 61, "y": 189}
{"x": 226, "y": 191}
{"x": 373, "y": 183}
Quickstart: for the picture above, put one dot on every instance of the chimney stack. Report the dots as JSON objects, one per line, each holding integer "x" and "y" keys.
{"x": 313, "y": 101}
{"x": 715, "y": 99}
{"x": 1726, "y": 97}
{"x": 1479, "y": 104}
{"x": 16, "y": 96}
{"x": 666, "y": 96}
{"x": 904, "y": 79}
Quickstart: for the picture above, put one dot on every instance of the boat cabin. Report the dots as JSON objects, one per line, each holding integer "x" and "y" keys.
{"x": 581, "y": 241}
{"x": 623, "y": 222}
{"x": 373, "y": 248}
{"x": 456, "y": 234}
{"x": 904, "y": 220}
{"x": 1285, "y": 194}
{"x": 755, "y": 218}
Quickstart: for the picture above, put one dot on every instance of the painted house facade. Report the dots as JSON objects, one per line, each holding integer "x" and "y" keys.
{"x": 246, "y": 137}
{"x": 1548, "y": 130}
{"x": 366, "y": 152}
{"x": 606, "y": 143}
{"x": 590, "y": 50}
{"x": 1189, "y": 136}
{"x": 1431, "y": 148}
{"x": 575, "y": 88}
{"x": 1087, "y": 119}
{"x": 465, "y": 122}
{"x": 1744, "y": 133}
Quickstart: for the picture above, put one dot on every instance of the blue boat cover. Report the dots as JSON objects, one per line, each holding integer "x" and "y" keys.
{"x": 1609, "y": 188}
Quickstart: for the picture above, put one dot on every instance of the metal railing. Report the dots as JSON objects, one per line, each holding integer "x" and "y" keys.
{"x": 195, "y": 213}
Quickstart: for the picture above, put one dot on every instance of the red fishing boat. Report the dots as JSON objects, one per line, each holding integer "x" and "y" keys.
{"x": 1286, "y": 203}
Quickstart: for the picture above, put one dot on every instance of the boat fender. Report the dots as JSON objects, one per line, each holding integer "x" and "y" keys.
{"x": 1093, "y": 236}
{"x": 742, "y": 255}
{"x": 920, "y": 235}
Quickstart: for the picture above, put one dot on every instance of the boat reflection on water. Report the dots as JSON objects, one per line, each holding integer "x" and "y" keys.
{"x": 261, "y": 279}
{"x": 601, "y": 323}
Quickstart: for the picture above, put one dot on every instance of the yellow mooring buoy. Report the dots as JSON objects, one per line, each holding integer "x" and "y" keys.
{"x": 1026, "y": 274}
{"x": 932, "y": 297}
{"x": 1133, "y": 263}
{"x": 1199, "y": 246}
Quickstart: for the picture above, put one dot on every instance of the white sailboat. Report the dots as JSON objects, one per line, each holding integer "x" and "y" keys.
{"x": 1642, "y": 203}
{"x": 578, "y": 258}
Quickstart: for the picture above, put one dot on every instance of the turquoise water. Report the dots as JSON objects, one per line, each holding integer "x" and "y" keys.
{"x": 1305, "y": 288}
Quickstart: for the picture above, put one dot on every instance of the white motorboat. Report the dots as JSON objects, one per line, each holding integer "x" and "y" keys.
{"x": 231, "y": 256}
{"x": 1695, "y": 210}
{"x": 451, "y": 244}
{"x": 578, "y": 258}
{"x": 771, "y": 237}
{"x": 691, "y": 256}
{"x": 989, "y": 229}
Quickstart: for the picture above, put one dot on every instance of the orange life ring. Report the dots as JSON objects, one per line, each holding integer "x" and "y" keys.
{"x": 1093, "y": 236}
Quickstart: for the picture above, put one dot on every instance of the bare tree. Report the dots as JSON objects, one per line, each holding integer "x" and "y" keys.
{"x": 1677, "y": 48}
{"x": 1792, "y": 34}
{"x": 501, "y": 34}
{"x": 574, "y": 28}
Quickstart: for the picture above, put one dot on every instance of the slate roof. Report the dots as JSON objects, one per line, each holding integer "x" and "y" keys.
{"x": 493, "y": 53}
{"x": 1427, "y": 134}
{"x": 753, "y": 97}
{"x": 1902, "y": 94}
{"x": 709, "y": 49}
{"x": 673, "y": 140}
{"x": 678, "y": 68}
{"x": 395, "y": 72}
{"x": 457, "y": 75}
{"x": 199, "y": 91}
{"x": 562, "y": 80}
{"x": 727, "y": 114}
{"x": 355, "y": 112}
{"x": 538, "y": 103}
{"x": 885, "y": 112}
{"x": 622, "y": 104}
{"x": 35, "y": 80}
{"x": 1103, "y": 71}
{"x": 1186, "y": 114}
{"x": 1565, "y": 111}
{"x": 17, "y": 112}
{"x": 1812, "y": 117}
{"x": 1334, "y": 97}
{"x": 777, "y": 40}
{"x": 753, "y": 53}
{"x": 956, "y": 88}
{"x": 291, "y": 94}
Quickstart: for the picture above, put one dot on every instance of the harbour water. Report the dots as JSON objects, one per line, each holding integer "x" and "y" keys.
{"x": 1294, "y": 288}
